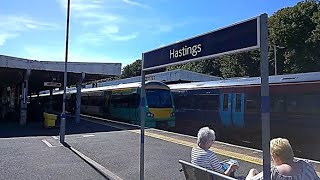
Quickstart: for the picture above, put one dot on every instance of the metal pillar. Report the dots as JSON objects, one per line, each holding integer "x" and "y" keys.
{"x": 142, "y": 115}
{"x": 24, "y": 98}
{"x": 50, "y": 100}
{"x": 275, "y": 59}
{"x": 78, "y": 101}
{"x": 63, "y": 115}
{"x": 265, "y": 113}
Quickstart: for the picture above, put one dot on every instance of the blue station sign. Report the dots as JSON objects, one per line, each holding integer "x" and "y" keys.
{"x": 239, "y": 37}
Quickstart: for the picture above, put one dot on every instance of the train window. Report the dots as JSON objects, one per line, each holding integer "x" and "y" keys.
{"x": 120, "y": 101}
{"x": 158, "y": 98}
{"x": 277, "y": 104}
{"x": 311, "y": 104}
{"x": 183, "y": 102}
{"x": 292, "y": 102}
{"x": 95, "y": 101}
{"x": 253, "y": 103}
{"x": 206, "y": 102}
{"x": 84, "y": 100}
{"x": 225, "y": 102}
{"x": 134, "y": 100}
{"x": 238, "y": 103}
{"x": 304, "y": 104}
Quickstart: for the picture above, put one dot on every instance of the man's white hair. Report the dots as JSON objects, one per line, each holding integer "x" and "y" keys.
{"x": 205, "y": 134}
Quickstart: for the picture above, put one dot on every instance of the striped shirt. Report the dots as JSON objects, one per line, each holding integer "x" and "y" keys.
{"x": 206, "y": 159}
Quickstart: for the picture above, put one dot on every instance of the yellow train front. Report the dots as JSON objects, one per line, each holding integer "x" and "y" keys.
{"x": 159, "y": 106}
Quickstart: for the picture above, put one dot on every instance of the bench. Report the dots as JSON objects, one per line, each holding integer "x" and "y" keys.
{"x": 194, "y": 172}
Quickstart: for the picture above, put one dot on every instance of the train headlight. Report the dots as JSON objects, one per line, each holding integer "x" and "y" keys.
{"x": 149, "y": 114}
{"x": 172, "y": 114}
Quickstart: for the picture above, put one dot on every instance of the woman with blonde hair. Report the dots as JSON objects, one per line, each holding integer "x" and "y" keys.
{"x": 285, "y": 166}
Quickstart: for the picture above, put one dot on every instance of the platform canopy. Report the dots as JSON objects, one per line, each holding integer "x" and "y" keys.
{"x": 13, "y": 71}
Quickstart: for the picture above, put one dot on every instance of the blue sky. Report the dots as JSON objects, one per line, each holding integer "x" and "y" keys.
{"x": 114, "y": 30}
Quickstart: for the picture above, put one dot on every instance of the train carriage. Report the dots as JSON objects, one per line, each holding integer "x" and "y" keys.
{"x": 122, "y": 102}
{"x": 232, "y": 107}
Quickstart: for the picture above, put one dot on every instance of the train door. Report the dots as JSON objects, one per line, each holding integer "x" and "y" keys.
{"x": 134, "y": 107}
{"x": 107, "y": 100}
{"x": 232, "y": 110}
{"x": 225, "y": 109}
{"x": 238, "y": 110}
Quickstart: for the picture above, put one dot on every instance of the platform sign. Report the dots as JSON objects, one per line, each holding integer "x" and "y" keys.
{"x": 51, "y": 84}
{"x": 239, "y": 37}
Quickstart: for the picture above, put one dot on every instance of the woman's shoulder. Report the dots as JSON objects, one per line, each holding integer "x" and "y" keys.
{"x": 305, "y": 169}
{"x": 281, "y": 172}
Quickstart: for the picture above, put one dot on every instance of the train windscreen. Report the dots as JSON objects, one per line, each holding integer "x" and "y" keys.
{"x": 158, "y": 98}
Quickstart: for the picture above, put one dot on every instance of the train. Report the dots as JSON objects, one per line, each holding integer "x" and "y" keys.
{"x": 121, "y": 102}
{"x": 232, "y": 107}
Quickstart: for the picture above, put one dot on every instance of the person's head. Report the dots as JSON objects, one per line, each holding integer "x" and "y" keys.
{"x": 281, "y": 151}
{"x": 206, "y": 137}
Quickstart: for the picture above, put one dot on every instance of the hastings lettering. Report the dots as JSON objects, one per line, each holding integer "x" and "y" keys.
{"x": 185, "y": 51}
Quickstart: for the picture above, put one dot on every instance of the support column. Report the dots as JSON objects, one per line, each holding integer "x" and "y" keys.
{"x": 24, "y": 98}
{"x": 50, "y": 100}
{"x": 78, "y": 100}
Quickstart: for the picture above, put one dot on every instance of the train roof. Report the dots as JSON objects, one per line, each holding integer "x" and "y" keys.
{"x": 289, "y": 78}
{"x": 119, "y": 86}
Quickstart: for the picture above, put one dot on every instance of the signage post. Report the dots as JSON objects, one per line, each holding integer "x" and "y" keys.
{"x": 265, "y": 112}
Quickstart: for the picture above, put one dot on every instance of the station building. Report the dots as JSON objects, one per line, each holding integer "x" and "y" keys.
{"x": 168, "y": 77}
{"x": 21, "y": 78}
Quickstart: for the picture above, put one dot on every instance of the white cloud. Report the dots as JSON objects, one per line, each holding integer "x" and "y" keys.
{"x": 5, "y": 36}
{"x": 91, "y": 38}
{"x": 117, "y": 37}
{"x": 12, "y": 26}
{"x": 112, "y": 29}
{"x": 98, "y": 18}
{"x": 22, "y": 23}
{"x": 133, "y": 3}
{"x": 81, "y": 5}
{"x": 112, "y": 32}
{"x": 89, "y": 12}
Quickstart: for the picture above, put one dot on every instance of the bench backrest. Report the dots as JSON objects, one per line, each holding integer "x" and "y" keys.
{"x": 194, "y": 172}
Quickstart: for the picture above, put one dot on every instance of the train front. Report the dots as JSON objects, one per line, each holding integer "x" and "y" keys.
{"x": 160, "y": 111}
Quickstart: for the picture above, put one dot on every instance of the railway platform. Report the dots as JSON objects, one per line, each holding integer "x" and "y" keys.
{"x": 100, "y": 149}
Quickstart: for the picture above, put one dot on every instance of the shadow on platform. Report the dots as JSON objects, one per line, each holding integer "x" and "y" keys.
{"x": 13, "y": 129}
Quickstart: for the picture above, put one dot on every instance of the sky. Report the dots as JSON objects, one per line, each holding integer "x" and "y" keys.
{"x": 115, "y": 31}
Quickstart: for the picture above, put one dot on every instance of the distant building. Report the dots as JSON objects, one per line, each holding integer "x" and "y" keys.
{"x": 168, "y": 77}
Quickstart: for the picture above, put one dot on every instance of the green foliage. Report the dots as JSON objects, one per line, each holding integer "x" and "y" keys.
{"x": 208, "y": 66}
{"x": 239, "y": 65}
{"x": 132, "y": 70}
{"x": 298, "y": 30}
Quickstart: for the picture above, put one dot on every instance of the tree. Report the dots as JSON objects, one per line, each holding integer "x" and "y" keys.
{"x": 239, "y": 65}
{"x": 132, "y": 70}
{"x": 207, "y": 66}
{"x": 298, "y": 30}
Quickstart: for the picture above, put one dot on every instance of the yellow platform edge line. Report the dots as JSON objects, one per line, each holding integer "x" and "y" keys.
{"x": 230, "y": 154}
{"x": 216, "y": 150}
